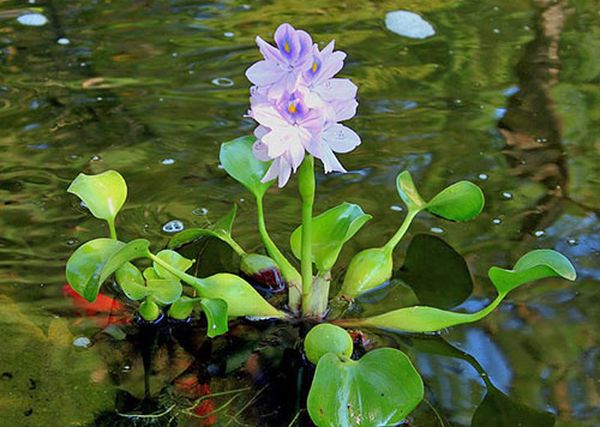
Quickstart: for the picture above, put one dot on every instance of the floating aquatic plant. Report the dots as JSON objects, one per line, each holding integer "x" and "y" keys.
{"x": 299, "y": 105}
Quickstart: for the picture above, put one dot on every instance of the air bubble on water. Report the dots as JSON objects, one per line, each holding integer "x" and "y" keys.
{"x": 220, "y": 166}
{"x": 497, "y": 30}
{"x": 82, "y": 342}
{"x": 32, "y": 19}
{"x": 539, "y": 233}
{"x": 83, "y": 205}
{"x": 396, "y": 208}
{"x": 572, "y": 242}
{"x": 95, "y": 158}
{"x": 173, "y": 226}
{"x": 99, "y": 98}
{"x": 168, "y": 161}
{"x": 506, "y": 195}
{"x": 541, "y": 140}
{"x": 222, "y": 82}
{"x": 497, "y": 221}
{"x": 63, "y": 41}
{"x": 71, "y": 242}
{"x": 174, "y": 54}
{"x": 200, "y": 211}
{"x": 126, "y": 368}
{"x": 246, "y": 7}
{"x": 229, "y": 34}
{"x": 482, "y": 176}
{"x": 437, "y": 230}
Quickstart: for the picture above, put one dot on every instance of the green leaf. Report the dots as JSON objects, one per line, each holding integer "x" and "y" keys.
{"x": 216, "y": 316}
{"x": 408, "y": 192}
{"x": 461, "y": 201}
{"x": 173, "y": 259}
{"x": 241, "y": 298}
{"x": 93, "y": 262}
{"x": 437, "y": 274}
{"x": 367, "y": 270}
{"x": 498, "y": 410}
{"x": 150, "y": 273}
{"x": 165, "y": 291}
{"x": 330, "y": 230}
{"x": 131, "y": 281}
{"x": 327, "y": 338}
{"x": 149, "y": 310}
{"x": 220, "y": 230}
{"x": 380, "y": 389}
{"x": 240, "y": 163}
{"x": 534, "y": 265}
{"x": 103, "y": 194}
{"x": 182, "y": 308}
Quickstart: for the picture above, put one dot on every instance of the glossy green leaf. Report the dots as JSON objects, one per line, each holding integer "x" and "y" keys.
{"x": 93, "y": 262}
{"x": 241, "y": 298}
{"x": 437, "y": 274}
{"x": 221, "y": 230}
{"x": 327, "y": 338}
{"x": 216, "y": 316}
{"x": 150, "y": 273}
{"x": 408, "y": 192}
{"x": 461, "y": 201}
{"x": 380, "y": 389}
{"x": 367, "y": 270}
{"x": 330, "y": 230}
{"x": 498, "y": 410}
{"x": 131, "y": 281}
{"x": 240, "y": 163}
{"x": 173, "y": 259}
{"x": 104, "y": 194}
{"x": 165, "y": 291}
{"x": 149, "y": 310}
{"x": 534, "y": 265}
{"x": 183, "y": 307}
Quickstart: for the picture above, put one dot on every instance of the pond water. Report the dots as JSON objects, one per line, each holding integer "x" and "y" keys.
{"x": 504, "y": 93}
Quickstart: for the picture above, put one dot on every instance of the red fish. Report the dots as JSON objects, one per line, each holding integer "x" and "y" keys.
{"x": 104, "y": 311}
{"x": 191, "y": 388}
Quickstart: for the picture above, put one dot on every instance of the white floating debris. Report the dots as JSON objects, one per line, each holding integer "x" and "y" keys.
{"x": 82, "y": 342}
{"x": 408, "y": 24}
{"x": 168, "y": 162}
{"x": 63, "y": 41}
{"x": 32, "y": 19}
{"x": 174, "y": 226}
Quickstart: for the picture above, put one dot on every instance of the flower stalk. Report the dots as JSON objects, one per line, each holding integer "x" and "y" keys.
{"x": 306, "y": 188}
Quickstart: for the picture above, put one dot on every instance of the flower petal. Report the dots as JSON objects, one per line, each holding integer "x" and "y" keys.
{"x": 268, "y": 116}
{"x": 344, "y": 110}
{"x": 268, "y": 52}
{"x": 336, "y": 90}
{"x": 277, "y": 141}
{"x": 264, "y": 73}
{"x": 259, "y": 149}
{"x": 330, "y": 162}
{"x": 340, "y": 138}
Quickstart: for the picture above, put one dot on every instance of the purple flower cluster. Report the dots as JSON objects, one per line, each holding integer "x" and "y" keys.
{"x": 299, "y": 105}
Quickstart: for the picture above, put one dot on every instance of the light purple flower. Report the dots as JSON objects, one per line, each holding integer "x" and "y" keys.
{"x": 282, "y": 66}
{"x": 298, "y": 104}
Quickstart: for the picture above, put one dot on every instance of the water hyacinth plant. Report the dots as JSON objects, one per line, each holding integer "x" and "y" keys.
{"x": 298, "y": 104}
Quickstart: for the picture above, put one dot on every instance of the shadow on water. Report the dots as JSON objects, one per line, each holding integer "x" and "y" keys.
{"x": 505, "y": 94}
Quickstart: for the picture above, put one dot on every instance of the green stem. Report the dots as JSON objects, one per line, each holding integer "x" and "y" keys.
{"x": 290, "y": 274}
{"x": 234, "y": 245}
{"x": 194, "y": 282}
{"x": 112, "y": 229}
{"x": 306, "y": 187}
{"x": 393, "y": 242}
{"x": 320, "y": 296}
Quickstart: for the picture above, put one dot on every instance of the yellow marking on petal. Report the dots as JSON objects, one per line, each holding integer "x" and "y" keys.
{"x": 286, "y": 47}
{"x": 315, "y": 67}
{"x": 292, "y": 108}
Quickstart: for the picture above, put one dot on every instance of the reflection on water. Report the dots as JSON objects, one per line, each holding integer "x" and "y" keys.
{"x": 505, "y": 93}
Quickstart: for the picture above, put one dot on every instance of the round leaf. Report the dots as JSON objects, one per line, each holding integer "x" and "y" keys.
{"x": 175, "y": 260}
{"x": 93, "y": 262}
{"x": 408, "y": 192}
{"x": 216, "y": 316}
{"x": 330, "y": 230}
{"x": 131, "y": 281}
{"x": 165, "y": 291}
{"x": 240, "y": 163}
{"x": 367, "y": 270}
{"x": 182, "y": 308}
{"x": 149, "y": 310}
{"x": 534, "y": 265}
{"x": 461, "y": 201}
{"x": 380, "y": 389}
{"x": 103, "y": 194}
{"x": 241, "y": 298}
{"x": 327, "y": 338}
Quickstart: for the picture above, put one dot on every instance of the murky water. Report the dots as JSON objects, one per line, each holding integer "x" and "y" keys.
{"x": 506, "y": 93}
